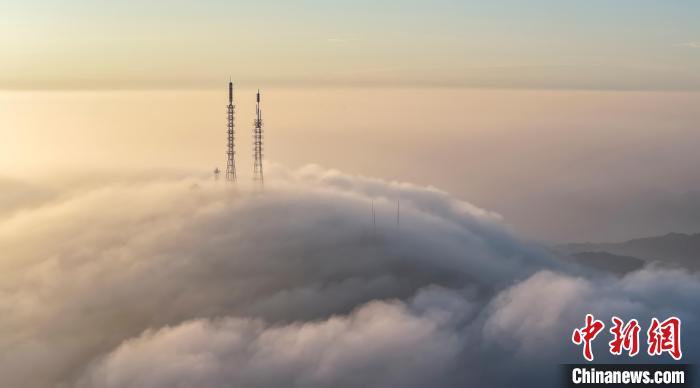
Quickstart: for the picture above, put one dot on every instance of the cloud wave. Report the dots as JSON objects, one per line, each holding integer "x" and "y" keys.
{"x": 186, "y": 282}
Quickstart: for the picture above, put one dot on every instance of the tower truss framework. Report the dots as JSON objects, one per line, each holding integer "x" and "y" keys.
{"x": 258, "y": 142}
{"x": 230, "y": 153}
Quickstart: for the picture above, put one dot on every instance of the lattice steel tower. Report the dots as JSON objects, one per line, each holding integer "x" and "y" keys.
{"x": 258, "y": 142}
{"x": 230, "y": 162}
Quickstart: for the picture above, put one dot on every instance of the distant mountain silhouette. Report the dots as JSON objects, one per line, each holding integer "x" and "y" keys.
{"x": 676, "y": 249}
{"x": 608, "y": 262}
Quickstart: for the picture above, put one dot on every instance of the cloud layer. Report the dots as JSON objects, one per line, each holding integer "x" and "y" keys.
{"x": 185, "y": 282}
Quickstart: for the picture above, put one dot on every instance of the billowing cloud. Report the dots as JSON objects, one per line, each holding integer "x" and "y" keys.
{"x": 380, "y": 344}
{"x": 185, "y": 282}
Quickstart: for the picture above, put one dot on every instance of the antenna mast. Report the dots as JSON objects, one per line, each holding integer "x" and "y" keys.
{"x": 398, "y": 212}
{"x": 230, "y": 163}
{"x": 374, "y": 218}
{"x": 258, "y": 142}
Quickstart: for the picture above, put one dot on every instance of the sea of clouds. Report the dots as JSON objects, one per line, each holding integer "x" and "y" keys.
{"x": 187, "y": 282}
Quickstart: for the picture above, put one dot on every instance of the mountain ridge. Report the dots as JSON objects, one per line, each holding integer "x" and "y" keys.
{"x": 675, "y": 249}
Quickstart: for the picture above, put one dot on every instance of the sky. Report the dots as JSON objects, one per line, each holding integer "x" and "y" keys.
{"x": 506, "y": 44}
{"x": 575, "y": 120}
{"x": 558, "y": 165}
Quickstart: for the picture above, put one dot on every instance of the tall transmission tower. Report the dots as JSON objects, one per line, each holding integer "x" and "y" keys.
{"x": 230, "y": 162}
{"x": 258, "y": 142}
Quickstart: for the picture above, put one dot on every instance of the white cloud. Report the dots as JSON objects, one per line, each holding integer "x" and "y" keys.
{"x": 182, "y": 282}
{"x": 381, "y": 343}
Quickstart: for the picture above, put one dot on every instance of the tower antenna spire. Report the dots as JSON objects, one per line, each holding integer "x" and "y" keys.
{"x": 374, "y": 218}
{"x": 258, "y": 142}
{"x": 398, "y": 212}
{"x": 230, "y": 162}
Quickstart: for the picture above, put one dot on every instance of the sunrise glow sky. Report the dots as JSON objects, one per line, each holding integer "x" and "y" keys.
{"x": 576, "y": 120}
{"x": 597, "y": 44}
